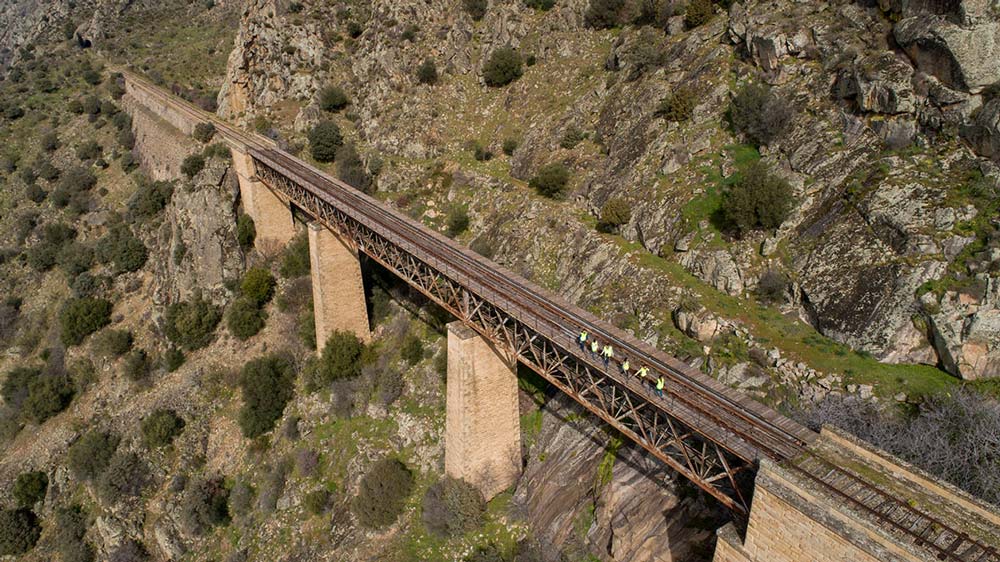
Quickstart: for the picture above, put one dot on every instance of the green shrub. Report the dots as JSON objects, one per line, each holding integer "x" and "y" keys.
{"x": 19, "y": 531}
{"x": 572, "y": 137}
{"x": 113, "y": 343}
{"x": 75, "y": 258}
{"x": 760, "y": 114}
{"x": 679, "y": 105}
{"x": 241, "y": 498}
{"x": 615, "y": 213}
{"x": 427, "y": 72}
{"x": 246, "y": 231}
{"x": 126, "y": 477}
{"x": 257, "y": 285}
{"x": 699, "y": 12}
{"x": 205, "y": 504}
{"x": 307, "y": 332}
{"x": 475, "y": 8}
{"x": 758, "y": 199}
{"x": 457, "y": 221}
{"x": 129, "y": 551}
{"x": 89, "y": 150}
{"x": 122, "y": 121}
{"x": 268, "y": 384}
{"x": 544, "y": 5}
{"x": 126, "y": 139}
{"x": 173, "y": 358}
{"x": 324, "y": 140}
{"x": 78, "y": 179}
{"x": 479, "y": 152}
{"x": 604, "y": 14}
{"x": 509, "y": 146}
{"x": 191, "y": 325}
{"x": 772, "y": 287}
{"x": 412, "y": 349}
{"x": 91, "y": 76}
{"x": 341, "y": 358}
{"x": 351, "y": 169}
{"x": 203, "y": 132}
{"x": 34, "y": 193}
{"x": 69, "y": 530}
{"x": 149, "y": 198}
{"x": 15, "y": 386}
{"x": 452, "y": 507}
{"x": 333, "y": 99}
{"x": 383, "y": 493}
{"x": 244, "y": 318}
{"x": 121, "y": 249}
{"x": 91, "y": 454}
{"x": 160, "y": 428}
{"x": 47, "y": 396}
{"x": 217, "y": 150}
{"x": 48, "y": 172}
{"x": 30, "y": 487}
{"x": 295, "y": 261}
{"x": 137, "y": 365}
{"x": 192, "y": 165}
{"x": 317, "y": 501}
{"x": 81, "y": 317}
{"x": 50, "y": 141}
{"x": 550, "y": 180}
{"x": 502, "y": 68}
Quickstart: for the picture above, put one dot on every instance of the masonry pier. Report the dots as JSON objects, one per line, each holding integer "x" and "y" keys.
{"x": 271, "y": 216}
{"x": 482, "y": 427}
{"x": 338, "y": 288}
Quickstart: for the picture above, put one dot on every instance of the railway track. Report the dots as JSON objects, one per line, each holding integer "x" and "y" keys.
{"x": 765, "y": 432}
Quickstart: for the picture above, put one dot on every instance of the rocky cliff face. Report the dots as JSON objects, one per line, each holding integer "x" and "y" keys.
{"x": 864, "y": 81}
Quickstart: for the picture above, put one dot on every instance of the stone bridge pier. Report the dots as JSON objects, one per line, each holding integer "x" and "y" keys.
{"x": 271, "y": 216}
{"x": 482, "y": 427}
{"x": 338, "y": 286}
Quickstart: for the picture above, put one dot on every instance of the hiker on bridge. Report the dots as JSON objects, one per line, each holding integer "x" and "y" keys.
{"x": 660, "y": 383}
{"x": 594, "y": 347}
{"x": 583, "y": 340}
{"x": 625, "y": 366}
{"x": 643, "y": 372}
{"x": 608, "y": 353}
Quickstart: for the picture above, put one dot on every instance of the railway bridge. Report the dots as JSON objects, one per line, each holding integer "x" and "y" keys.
{"x": 719, "y": 439}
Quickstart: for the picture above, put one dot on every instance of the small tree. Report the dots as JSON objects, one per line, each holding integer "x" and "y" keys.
{"x": 113, "y": 343}
{"x": 203, "y": 132}
{"x": 772, "y": 287}
{"x": 137, "y": 365}
{"x": 550, "y": 180}
{"x": 615, "y": 213}
{"x": 332, "y": 98}
{"x": 246, "y": 231}
{"x": 758, "y": 199}
{"x": 267, "y": 384}
{"x": 699, "y": 12}
{"x": 30, "y": 487}
{"x": 475, "y": 8}
{"x": 47, "y": 396}
{"x": 383, "y": 493}
{"x": 192, "y": 165}
{"x": 205, "y": 504}
{"x": 324, "y": 140}
{"x": 19, "y": 531}
{"x": 89, "y": 150}
{"x": 509, "y": 146}
{"x": 161, "y": 428}
{"x": 192, "y": 324}
{"x": 760, "y": 114}
{"x": 91, "y": 454}
{"x": 126, "y": 477}
{"x": 427, "y": 72}
{"x": 258, "y": 285}
{"x": 317, "y": 501}
{"x": 122, "y": 249}
{"x": 452, "y": 507}
{"x": 244, "y": 319}
{"x": 412, "y": 350}
{"x": 604, "y": 14}
{"x": 295, "y": 261}
{"x": 502, "y": 68}
{"x": 351, "y": 169}
{"x": 341, "y": 359}
{"x": 81, "y": 317}
{"x": 679, "y": 105}
{"x": 458, "y": 220}
{"x": 149, "y": 198}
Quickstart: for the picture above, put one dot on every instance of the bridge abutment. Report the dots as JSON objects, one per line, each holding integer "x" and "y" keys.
{"x": 272, "y": 217}
{"x": 338, "y": 287}
{"x": 482, "y": 429}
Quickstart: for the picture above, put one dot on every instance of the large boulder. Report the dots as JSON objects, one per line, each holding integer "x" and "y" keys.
{"x": 966, "y": 58}
{"x": 983, "y": 133}
{"x": 966, "y": 329}
{"x": 715, "y": 267}
{"x": 884, "y": 84}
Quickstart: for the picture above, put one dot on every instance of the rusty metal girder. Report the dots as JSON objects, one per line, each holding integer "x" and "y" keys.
{"x": 703, "y": 462}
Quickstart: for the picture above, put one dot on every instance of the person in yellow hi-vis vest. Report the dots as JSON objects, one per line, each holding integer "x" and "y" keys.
{"x": 660, "y": 383}
{"x": 594, "y": 347}
{"x": 625, "y": 366}
{"x": 583, "y": 340}
{"x": 608, "y": 353}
